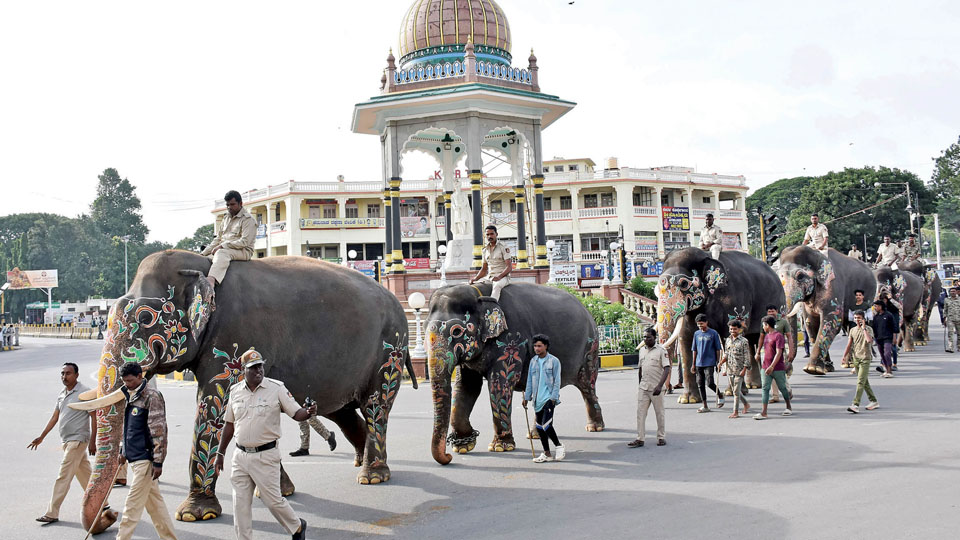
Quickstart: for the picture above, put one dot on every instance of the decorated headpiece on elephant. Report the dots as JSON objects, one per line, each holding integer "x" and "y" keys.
{"x": 822, "y": 290}
{"x": 735, "y": 287}
{"x": 905, "y": 290}
{"x": 348, "y": 338}
{"x": 482, "y": 339}
{"x": 932, "y": 286}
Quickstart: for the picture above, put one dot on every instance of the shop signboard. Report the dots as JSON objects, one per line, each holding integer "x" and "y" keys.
{"x": 676, "y": 218}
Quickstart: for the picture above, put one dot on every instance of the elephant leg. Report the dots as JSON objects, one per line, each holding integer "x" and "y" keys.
{"x": 503, "y": 378}
{"x": 467, "y": 389}
{"x": 354, "y": 428}
{"x": 816, "y": 365}
{"x": 908, "y": 345}
{"x": 201, "y": 502}
{"x": 376, "y": 412}
{"x": 690, "y": 392}
{"x": 753, "y": 374}
{"x": 587, "y": 384}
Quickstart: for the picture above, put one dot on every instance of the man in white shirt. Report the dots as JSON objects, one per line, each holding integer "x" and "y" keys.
{"x": 654, "y": 364}
{"x": 888, "y": 252}
{"x": 711, "y": 238}
{"x": 817, "y": 235}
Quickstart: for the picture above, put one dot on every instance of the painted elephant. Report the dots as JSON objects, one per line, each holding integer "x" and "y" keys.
{"x": 327, "y": 331}
{"x": 906, "y": 288}
{"x": 490, "y": 340}
{"x": 735, "y": 287}
{"x": 932, "y": 286}
{"x": 824, "y": 288}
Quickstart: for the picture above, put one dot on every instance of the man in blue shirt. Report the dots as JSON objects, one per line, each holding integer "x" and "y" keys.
{"x": 543, "y": 389}
{"x": 706, "y": 356}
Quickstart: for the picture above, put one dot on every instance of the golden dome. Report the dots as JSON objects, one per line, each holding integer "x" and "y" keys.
{"x": 430, "y": 24}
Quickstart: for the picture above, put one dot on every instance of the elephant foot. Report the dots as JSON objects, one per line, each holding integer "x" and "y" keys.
{"x": 688, "y": 399}
{"x": 828, "y": 367}
{"x": 502, "y": 446}
{"x": 462, "y": 445}
{"x": 106, "y": 518}
{"x": 728, "y": 392}
{"x": 358, "y": 459}
{"x": 752, "y": 386}
{"x": 774, "y": 399}
{"x": 464, "y": 448}
{"x": 374, "y": 475}
{"x": 199, "y": 506}
{"x": 814, "y": 369}
{"x": 533, "y": 435}
{"x": 595, "y": 427}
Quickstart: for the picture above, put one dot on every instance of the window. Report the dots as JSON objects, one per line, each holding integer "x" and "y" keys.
{"x": 606, "y": 199}
{"x": 597, "y": 241}
{"x": 566, "y": 202}
{"x": 314, "y": 212}
{"x": 644, "y": 197}
{"x": 706, "y": 200}
{"x": 373, "y": 210}
{"x": 590, "y": 201}
{"x": 546, "y": 203}
{"x": 277, "y": 217}
{"x": 665, "y": 199}
{"x": 351, "y": 212}
{"x": 675, "y": 240}
{"x": 259, "y": 219}
{"x": 496, "y": 207}
{"x": 513, "y": 206}
{"x": 329, "y": 212}
{"x": 573, "y": 168}
{"x": 441, "y": 210}
{"x": 558, "y": 168}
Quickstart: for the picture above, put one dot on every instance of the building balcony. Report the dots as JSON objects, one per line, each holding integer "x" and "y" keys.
{"x": 646, "y": 211}
{"x": 557, "y": 215}
{"x": 603, "y": 211}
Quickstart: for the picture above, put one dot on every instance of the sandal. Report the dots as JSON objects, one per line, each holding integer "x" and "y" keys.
{"x": 703, "y": 410}
{"x": 661, "y": 442}
{"x": 759, "y": 416}
{"x": 47, "y": 519}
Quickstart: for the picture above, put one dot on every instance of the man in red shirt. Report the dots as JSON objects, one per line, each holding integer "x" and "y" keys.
{"x": 773, "y": 367}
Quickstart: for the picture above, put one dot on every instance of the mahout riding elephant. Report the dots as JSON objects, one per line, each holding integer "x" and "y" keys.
{"x": 932, "y": 286}
{"x": 484, "y": 339}
{"x": 824, "y": 287}
{"x": 906, "y": 288}
{"x": 735, "y": 287}
{"x": 328, "y": 332}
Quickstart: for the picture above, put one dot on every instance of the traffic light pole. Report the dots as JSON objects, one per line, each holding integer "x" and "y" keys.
{"x": 763, "y": 245}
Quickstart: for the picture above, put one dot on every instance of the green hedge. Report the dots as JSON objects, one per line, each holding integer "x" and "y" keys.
{"x": 604, "y": 312}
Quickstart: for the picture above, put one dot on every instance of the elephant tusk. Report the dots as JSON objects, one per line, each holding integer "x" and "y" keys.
{"x": 88, "y": 395}
{"x": 676, "y": 333}
{"x": 796, "y": 310}
{"x": 113, "y": 397}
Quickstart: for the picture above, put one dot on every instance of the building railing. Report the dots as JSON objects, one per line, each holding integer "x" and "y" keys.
{"x": 603, "y": 211}
{"x": 557, "y": 214}
{"x": 458, "y": 70}
{"x": 737, "y": 214}
{"x": 641, "y": 305}
{"x": 646, "y": 211}
{"x": 702, "y": 212}
{"x": 646, "y": 174}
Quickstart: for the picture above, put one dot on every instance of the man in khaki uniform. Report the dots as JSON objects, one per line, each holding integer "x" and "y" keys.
{"x": 711, "y": 238}
{"x": 77, "y": 433}
{"x": 234, "y": 242}
{"x": 911, "y": 251}
{"x": 817, "y": 235}
{"x": 951, "y": 314}
{"x": 497, "y": 263}
{"x": 654, "y": 364}
{"x": 888, "y": 252}
{"x": 855, "y": 253}
{"x": 253, "y": 414}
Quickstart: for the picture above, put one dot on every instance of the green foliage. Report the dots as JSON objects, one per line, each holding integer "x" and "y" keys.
{"x": 117, "y": 208}
{"x": 641, "y": 286}
{"x": 778, "y": 198}
{"x": 603, "y": 311}
{"x": 945, "y": 185}
{"x": 203, "y": 236}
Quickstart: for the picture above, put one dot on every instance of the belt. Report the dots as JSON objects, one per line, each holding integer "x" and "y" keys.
{"x": 261, "y": 448}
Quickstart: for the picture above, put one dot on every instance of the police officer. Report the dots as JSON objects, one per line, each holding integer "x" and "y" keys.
{"x": 951, "y": 312}
{"x": 711, "y": 238}
{"x": 253, "y": 414}
{"x": 497, "y": 263}
{"x": 911, "y": 250}
{"x": 855, "y": 253}
{"x": 888, "y": 252}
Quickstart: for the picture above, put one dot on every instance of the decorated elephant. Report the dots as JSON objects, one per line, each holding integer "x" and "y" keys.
{"x": 735, "y": 287}
{"x": 906, "y": 288}
{"x": 824, "y": 288}
{"x": 484, "y": 339}
{"x": 932, "y": 286}
{"x": 328, "y": 332}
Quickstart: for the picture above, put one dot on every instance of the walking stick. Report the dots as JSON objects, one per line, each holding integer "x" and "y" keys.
{"x": 526, "y": 417}
{"x": 104, "y": 503}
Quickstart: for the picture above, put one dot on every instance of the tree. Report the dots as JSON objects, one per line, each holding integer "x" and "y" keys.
{"x": 778, "y": 198}
{"x": 945, "y": 185}
{"x": 836, "y": 195}
{"x": 117, "y": 208}
{"x": 203, "y": 236}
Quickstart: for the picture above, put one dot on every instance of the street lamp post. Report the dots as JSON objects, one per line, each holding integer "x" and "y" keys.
{"x": 417, "y": 301}
{"x": 909, "y": 207}
{"x": 551, "y": 247}
{"x": 442, "y": 250}
{"x": 605, "y": 254}
{"x": 126, "y": 279}
{"x": 615, "y": 252}
{"x": 3, "y": 300}
{"x": 351, "y": 256}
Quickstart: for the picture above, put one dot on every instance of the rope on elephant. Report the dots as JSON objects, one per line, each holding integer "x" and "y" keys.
{"x": 862, "y": 210}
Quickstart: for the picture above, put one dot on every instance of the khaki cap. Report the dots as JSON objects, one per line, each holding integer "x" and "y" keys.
{"x": 251, "y": 358}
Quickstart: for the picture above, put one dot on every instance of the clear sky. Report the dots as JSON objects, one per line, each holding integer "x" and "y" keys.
{"x": 190, "y": 99}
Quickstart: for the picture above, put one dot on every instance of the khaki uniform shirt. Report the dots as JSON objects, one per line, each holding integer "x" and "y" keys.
{"x": 861, "y": 349}
{"x": 652, "y": 363}
{"x": 496, "y": 258}
{"x": 855, "y": 253}
{"x": 951, "y": 309}
{"x": 911, "y": 253}
{"x": 256, "y": 414}
{"x": 711, "y": 235}
{"x": 888, "y": 254}
{"x": 737, "y": 352}
{"x": 236, "y": 232}
{"x": 817, "y": 236}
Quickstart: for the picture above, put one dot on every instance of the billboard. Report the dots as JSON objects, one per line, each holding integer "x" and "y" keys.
{"x": 676, "y": 218}
{"x": 415, "y": 227}
{"x": 565, "y": 273}
{"x": 731, "y": 241}
{"x": 32, "y": 279}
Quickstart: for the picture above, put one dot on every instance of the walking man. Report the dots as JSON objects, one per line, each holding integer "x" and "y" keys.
{"x": 736, "y": 356}
{"x": 774, "y": 368}
{"x": 817, "y": 235}
{"x": 706, "y": 355}
{"x": 78, "y": 431}
{"x": 318, "y": 426}
{"x": 783, "y": 327}
{"x": 884, "y": 330}
{"x": 253, "y": 415}
{"x": 497, "y": 264}
{"x": 861, "y": 345}
{"x": 861, "y": 305}
{"x": 654, "y": 366}
{"x": 145, "y": 447}
{"x": 711, "y": 238}
{"x": 892, "y": 307}
{"x": 543, "y": 389}
{"x": 234, "y": 242}
{"x": 888, "y": 252}
{"x": 951, "y": 314}
{"x": 855, "y": 253}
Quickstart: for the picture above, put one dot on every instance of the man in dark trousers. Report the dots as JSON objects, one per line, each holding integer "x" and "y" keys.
{"x": 706, "y": 355}
{"x": 884, "y": 330}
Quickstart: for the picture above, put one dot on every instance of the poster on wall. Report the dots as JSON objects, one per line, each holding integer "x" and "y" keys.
{"x": 676, "y": 218}
{"x": 365, "y": 267}
{"x": 32, "y": 279}
{"x": 645, "y": 244}
{"x": 731, "y": 241}
{"x": 415, "y": 227}
{"x": 565, "y": 274}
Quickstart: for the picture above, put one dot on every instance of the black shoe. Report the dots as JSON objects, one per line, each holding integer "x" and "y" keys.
{"x": 300, "y": 452}
{"x": 302, "y": 533}
{"x": 881, "y": 370}
{"x": 637, "y": 443}
{"x": 332, "y": 441}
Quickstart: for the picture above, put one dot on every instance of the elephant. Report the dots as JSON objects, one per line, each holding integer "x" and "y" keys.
{"x": 932, "y": 286}
{"x": 735, "y": 287}
{"x": 326, "y": 331}
{"x": 906, "y": 288}
{"x": 468, "y": 330}
{"x": 824, "y": 287}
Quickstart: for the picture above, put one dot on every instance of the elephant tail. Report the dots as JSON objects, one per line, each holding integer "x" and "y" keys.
{"x": 413, "y": 375}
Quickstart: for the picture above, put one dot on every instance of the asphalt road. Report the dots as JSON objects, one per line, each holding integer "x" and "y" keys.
{"x": 823, "y": 473}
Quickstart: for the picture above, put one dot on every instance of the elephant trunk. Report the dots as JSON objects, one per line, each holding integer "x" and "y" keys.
{"x": 440, "y": 384}
{"x": 792, "y": 338}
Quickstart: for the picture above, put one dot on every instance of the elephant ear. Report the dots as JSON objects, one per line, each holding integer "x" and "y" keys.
{"x": 493, "y": 321}
{"x": 202, "y": 300}
{"x": 714, "y": 275}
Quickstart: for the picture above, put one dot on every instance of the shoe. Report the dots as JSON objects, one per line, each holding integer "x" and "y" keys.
{"x": 854, "y": 409}
{"x": 542, "y": 458}
{"x": 561, "y": 453}
{"x": 661, "y": 442}
{"x": 332, "y": 441}
{"x": 300, "y": 452}
{"x": 302, "y": 533}
{"x": 47, "y": 520}
{"x": 853, "y": 371}
{"x": 759, "y": 416}
{"x": 948, "y": 350}
{"x": 887, "y": 375}
{"x": 636, "y": 443}
{"x": 880, "y": 369}
{"x": 720, "y": 401}
{"x": 873, "y": 405}
{"x": 787, "y": 412}
{"x": 703, "y": 409}
{"x": 894, "y": 367}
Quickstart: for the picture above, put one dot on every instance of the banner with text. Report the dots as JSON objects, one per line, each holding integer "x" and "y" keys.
{"x": 341, "y": 223}
{"x": 676, "y": 218}
{"x": 415, "y": 227}
{"x": 731, "y": 241}
{"x": 32, "y": 279}
{"x": 565, "y": 273}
